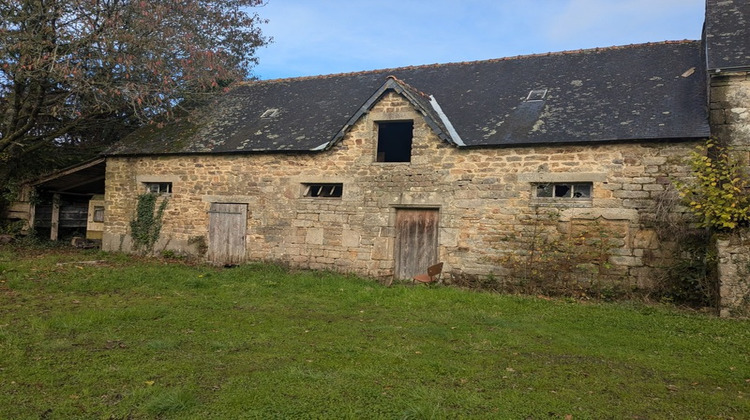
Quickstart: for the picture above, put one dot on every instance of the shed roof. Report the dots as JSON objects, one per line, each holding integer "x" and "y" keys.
{"x": 84, "y": 178}
{"x": 727, "y": 34}
{"x": 629, "y": 93}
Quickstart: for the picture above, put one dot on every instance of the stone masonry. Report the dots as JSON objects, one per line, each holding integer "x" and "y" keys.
{"x": 730, "y": 109}
{"x": 483, "y": 195}
{"x": 733, "y": 270}
{"x": 730, "y": 122}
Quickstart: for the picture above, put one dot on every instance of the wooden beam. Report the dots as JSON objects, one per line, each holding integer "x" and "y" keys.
{"x": 68, "y": 171}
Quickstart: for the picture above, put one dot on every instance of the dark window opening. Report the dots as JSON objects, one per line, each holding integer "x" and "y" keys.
{"x": 564, "y": 190}
{"x": 323, "y": 190}
{"x": 394, "y": 141}
{"x": 159, "y": 187}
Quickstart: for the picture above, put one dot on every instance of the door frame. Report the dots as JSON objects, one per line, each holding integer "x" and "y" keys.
{"x": 243, "y": 232}
{"x": 396, "y": 244}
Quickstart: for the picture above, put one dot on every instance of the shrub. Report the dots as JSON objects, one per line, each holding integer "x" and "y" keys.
{"x": 561, "y": 264}
{"x": 719, "y": 193}
{"x": 12, "y": 228}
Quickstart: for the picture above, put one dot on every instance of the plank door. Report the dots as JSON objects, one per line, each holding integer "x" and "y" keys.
{"x": 416, "y": 241}
{"x": 227, "y": 226}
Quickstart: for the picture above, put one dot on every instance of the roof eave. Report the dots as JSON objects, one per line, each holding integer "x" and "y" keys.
{"x": 695, "y": 137}
{"x": 729, "y": 69}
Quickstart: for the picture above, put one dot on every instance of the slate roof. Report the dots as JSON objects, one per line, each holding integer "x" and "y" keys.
{"x": 728, "y": 34}
{"x": 629, "y": 93}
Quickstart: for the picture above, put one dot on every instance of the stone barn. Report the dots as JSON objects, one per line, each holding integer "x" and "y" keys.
{"x": 385, "y": 172}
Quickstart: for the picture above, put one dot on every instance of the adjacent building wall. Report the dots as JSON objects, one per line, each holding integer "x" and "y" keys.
{"x": 730, "y": 123}
{"x": 733, "y": 270}
{"x": 94, "y": 220}
{"x": 484, "y": 198}
{"x": 730, "y": 109}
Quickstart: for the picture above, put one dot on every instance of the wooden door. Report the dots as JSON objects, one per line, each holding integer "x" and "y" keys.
{"x": 227, "y": 226}
{"x": 416, "y": 241}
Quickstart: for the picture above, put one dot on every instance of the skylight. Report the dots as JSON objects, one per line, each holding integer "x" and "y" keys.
{"x": 537, "y": 95}
{"x": 270, "y": 113}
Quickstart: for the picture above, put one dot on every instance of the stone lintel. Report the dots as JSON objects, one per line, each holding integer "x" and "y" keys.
{"x": 157, "y": 178}
{"x": 392, "y": 116}
{"x": 233, "y": 199}
{"x": 544, "y": 177}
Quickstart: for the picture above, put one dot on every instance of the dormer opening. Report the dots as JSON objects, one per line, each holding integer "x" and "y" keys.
{"x": 394, "y": 141}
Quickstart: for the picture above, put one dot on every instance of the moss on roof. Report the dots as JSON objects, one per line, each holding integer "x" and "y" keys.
{"x": 630, "y": 93}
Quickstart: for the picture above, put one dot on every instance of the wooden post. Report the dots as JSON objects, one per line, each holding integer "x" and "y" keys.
{"x": 30, "y": 196}
{"x": 32, "y": 218}
{"x": 55, "y": 217}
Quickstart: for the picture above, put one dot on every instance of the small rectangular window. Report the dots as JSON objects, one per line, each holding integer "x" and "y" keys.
{"x": 158, "y": 187}
{"x": 564, "y": 190}
{"x": 332, "y": 190}
{"x": 394, "y": 141}
{"x": 98, "y": 215}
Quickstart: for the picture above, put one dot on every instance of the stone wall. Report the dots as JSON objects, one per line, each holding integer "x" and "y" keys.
{"x": 484, "y": 196}
{"x": 730, "y": 109}
{"x": 733, "y": 269}
{"x": 730, "y": 122}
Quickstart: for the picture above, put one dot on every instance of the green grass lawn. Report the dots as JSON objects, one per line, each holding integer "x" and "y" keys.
{"x": 96, "y": 335}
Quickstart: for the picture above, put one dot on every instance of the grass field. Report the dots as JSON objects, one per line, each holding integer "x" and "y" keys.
{"x": 95, "y": 335}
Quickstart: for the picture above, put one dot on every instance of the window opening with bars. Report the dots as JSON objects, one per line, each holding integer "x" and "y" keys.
{"x": 564, "y": 190}
{"x": 327, "y": 190}
{"x": 158, "y": 187}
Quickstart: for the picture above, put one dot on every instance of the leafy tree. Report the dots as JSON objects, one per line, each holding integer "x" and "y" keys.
{"x": 77, "y": 74}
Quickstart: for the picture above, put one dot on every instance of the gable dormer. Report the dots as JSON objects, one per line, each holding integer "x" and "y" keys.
{"x": 424, "y": 104}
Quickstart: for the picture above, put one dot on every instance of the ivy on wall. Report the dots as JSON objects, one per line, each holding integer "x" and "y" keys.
{"x": 145, "y": 227}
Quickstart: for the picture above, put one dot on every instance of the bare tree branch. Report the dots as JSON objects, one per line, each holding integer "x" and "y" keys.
{"x": 68, "y": 68}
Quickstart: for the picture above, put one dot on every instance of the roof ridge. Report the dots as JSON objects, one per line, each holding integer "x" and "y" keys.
{"x": 459, "y": 63}
{"x": 408, "y": 86}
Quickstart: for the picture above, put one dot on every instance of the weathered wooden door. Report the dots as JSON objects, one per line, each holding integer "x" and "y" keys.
{"x": 227, "y": 226}
{"x": 416, "y": 241}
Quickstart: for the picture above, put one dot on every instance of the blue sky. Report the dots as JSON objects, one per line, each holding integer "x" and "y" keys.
{"x": 313, "y": 37}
